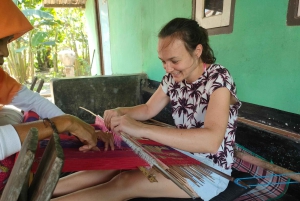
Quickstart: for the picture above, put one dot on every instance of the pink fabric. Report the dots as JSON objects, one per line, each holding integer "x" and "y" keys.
{"x": 100, "y": 123}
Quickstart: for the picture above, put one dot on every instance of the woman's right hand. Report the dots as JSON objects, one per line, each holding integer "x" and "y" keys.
{"x": 108, "y": 114}
{"x": 85, "y": 132}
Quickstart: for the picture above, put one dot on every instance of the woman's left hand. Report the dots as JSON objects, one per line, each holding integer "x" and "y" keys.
{"x": 127, "y": 125}
{"x": 107, "y": 138}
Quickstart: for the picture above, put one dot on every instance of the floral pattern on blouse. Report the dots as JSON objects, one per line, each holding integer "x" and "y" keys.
{"x": 189, "y": 103}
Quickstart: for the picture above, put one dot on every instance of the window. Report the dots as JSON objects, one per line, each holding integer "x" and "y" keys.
{"x": 214, "y": 15}
{"x": 293, "y": 13}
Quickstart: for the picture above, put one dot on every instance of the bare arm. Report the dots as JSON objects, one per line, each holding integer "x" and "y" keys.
{"x": 140, "y": 112}
{"x": 200, "y": 140}
{"x": 64, "y": 123}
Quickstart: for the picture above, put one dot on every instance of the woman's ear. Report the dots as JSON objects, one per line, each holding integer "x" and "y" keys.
{"x": 198, "y": 50}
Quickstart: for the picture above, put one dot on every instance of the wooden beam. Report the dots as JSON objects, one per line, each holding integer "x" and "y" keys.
{"x": 98, "y": 26}
{"x": 266, "y": 165}
{"x": 277, "y": 131}
{"x": 64, "y": 5}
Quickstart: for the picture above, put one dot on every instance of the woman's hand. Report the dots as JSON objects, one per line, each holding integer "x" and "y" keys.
{"x": 107, "y": 138}
{"x": 85, "y": 132}
{"x": 128, "y": 125}
{"x": 108, "y": 115}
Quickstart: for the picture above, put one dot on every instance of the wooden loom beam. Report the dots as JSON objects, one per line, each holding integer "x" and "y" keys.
{"x": 266, "y": 165}
{"x": 257, "y": 161}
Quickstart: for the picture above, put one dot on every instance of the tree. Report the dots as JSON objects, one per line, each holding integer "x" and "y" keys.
{"x": 37, "y": 50}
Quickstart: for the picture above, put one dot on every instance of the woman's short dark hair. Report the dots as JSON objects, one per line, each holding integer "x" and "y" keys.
{"x": 192, "y": 34}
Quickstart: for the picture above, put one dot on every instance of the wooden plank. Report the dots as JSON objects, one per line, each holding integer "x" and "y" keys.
{"x": 277, "y": 131}
{"x": 21, "y": 169}
{"x": 48, "y": 171}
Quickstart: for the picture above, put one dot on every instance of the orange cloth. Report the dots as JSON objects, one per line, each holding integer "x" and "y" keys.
{"x": 12, "y": 23}
{"x": 8, "y": 88}
{"x": 12, "y": 20}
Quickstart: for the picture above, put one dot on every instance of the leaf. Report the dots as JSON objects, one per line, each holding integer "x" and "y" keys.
{"x": 47, "y": 22}
{"x": 49, "y": 43}
{"x": 38, "y": 38}
{"x": 37, "y": 13}
{"x": 20, "y": 49}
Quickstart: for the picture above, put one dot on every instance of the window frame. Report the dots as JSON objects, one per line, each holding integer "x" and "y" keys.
{"x": 220, "y": 28}
{"x": 293, "y": 13}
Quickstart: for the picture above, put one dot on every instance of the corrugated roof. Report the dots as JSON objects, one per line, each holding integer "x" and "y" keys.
{"x": 64, "y": 3}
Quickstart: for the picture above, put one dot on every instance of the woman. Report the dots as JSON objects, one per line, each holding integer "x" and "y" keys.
{"x": 204, "y": 102}
{"x": 14, "y": 24}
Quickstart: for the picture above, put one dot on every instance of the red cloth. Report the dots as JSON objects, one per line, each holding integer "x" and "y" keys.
{"x": 6, "y": 166}
{"x": 122, "y": 158}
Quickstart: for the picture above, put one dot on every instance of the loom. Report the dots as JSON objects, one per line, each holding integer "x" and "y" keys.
{"x": 144, "y": 154}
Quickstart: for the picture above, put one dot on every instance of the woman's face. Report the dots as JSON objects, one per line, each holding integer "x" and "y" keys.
{"x": 3, "y": 48}
{"x": 178, "y": 61}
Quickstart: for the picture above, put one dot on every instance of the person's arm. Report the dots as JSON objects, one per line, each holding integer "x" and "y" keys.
{"x": 198, "y": 140}
{"x": 63, "y": 123}
{"x": 9, "y": 141}
{"x": 140, "y": 112}
{"x": 27, "y": 100}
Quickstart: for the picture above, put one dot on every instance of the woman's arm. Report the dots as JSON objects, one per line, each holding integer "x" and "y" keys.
{"x": 199, "y": 140}
{"x": 140, "y": 112}
{"x": 12, "y": 136}
{"x": 64, "y": 123}
{"x": 28, "y": 100}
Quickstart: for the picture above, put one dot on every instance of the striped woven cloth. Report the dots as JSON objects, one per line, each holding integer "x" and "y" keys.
{"x": 263, "y": 192}
{"x": 266, "y": 189}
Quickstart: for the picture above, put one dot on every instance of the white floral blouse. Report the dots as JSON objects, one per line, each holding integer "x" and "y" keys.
{"x": 189, "y": 103}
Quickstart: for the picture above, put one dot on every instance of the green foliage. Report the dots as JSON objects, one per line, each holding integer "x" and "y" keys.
{"x": 54, "y": 30}
{"x": 38, "y": 38}
{"x": 37, "y": 13}
{"x": 21, "y": 49}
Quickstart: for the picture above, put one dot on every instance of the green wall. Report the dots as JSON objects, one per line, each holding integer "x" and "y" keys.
{"x": 262, "y": 53}
{"x": 134, "y": 25}
{"x": 91, "y": 28}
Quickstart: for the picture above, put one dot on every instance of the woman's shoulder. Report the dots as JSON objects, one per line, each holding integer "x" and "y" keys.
{"x": 167, "y": 79}
{"x": 216, "y": 67}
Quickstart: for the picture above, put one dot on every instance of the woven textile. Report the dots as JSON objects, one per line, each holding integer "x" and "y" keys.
{"x": 265, "y": 190}
{"x": 262, "y": 192}
{"x": 6, "y": 166}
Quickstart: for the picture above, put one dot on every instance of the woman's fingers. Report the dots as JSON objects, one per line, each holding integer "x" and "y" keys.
{"x": 107, "y": 138}
{"x": 108, "y": 115}
{"x": 83, "y": 131}
{"x": 88, "y": 147}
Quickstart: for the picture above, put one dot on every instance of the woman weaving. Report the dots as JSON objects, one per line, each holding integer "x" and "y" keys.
{"x": 204, "y": 107}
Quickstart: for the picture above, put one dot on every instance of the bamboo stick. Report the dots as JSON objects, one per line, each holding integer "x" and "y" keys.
{"x": 266, "y": 165}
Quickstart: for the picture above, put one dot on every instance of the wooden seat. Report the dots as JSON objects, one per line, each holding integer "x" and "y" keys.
{"x": 20, "y": 172}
